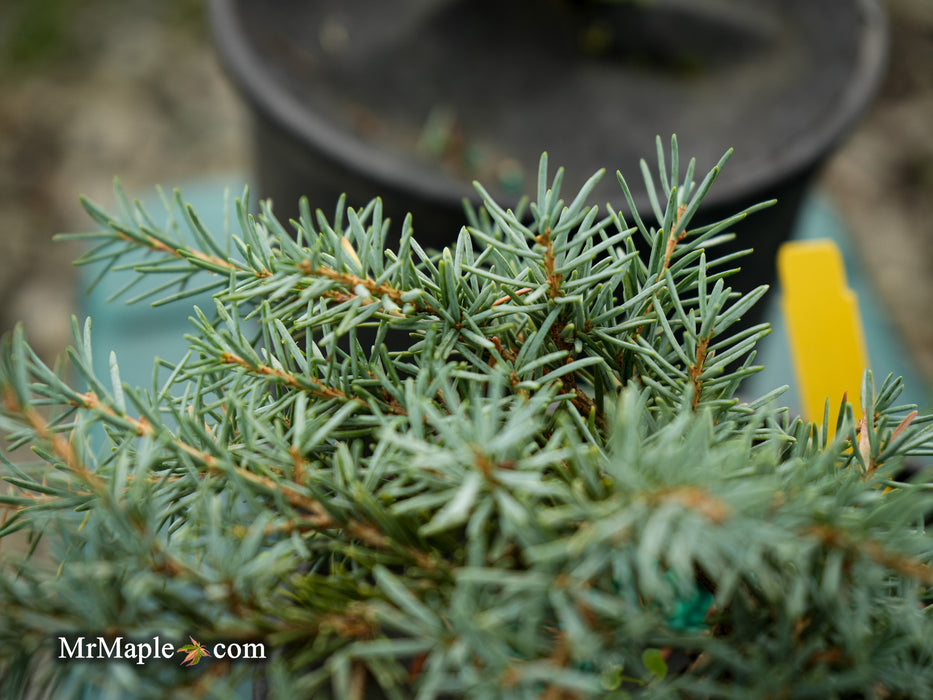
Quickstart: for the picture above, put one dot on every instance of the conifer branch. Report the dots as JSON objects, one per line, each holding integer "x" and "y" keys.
{"x": 518, "y": 468}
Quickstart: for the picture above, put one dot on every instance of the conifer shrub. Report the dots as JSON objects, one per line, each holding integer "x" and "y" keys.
{"x": 551, "y": 487}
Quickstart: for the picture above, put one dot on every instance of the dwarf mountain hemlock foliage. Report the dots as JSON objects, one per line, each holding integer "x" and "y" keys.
{"x": 516, "y": 468}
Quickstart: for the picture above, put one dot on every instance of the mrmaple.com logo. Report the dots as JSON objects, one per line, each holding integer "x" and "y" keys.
{"x": 140, "y": 652}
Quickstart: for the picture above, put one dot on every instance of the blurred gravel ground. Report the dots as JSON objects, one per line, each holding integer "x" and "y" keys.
{"x": 131, "y": 87}
{"x": 882, "y": 181}
{"x": 90, "y": 90}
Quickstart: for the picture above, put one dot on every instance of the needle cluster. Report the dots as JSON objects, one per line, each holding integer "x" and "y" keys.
{"x": 520, "y": 467}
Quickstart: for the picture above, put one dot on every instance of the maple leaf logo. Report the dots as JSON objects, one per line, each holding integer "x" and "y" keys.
{"x": 195, "y": 652}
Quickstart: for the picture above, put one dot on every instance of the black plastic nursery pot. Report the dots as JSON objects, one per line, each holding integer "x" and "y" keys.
{"x": 413, "y": 100}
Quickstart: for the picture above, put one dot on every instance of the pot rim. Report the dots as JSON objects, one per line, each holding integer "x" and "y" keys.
{"x": 391, "y": 172}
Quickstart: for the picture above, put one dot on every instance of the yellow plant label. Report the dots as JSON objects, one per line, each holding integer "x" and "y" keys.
{"x": 823, "y": 326}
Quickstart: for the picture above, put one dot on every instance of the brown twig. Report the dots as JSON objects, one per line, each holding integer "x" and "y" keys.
{"x": 904, "y": 565}
{"x": 554, "y": 278}
{"x": 696, "y": 370}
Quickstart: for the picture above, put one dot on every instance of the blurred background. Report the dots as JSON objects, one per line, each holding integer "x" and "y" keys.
{"x": 92, "y": 89}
